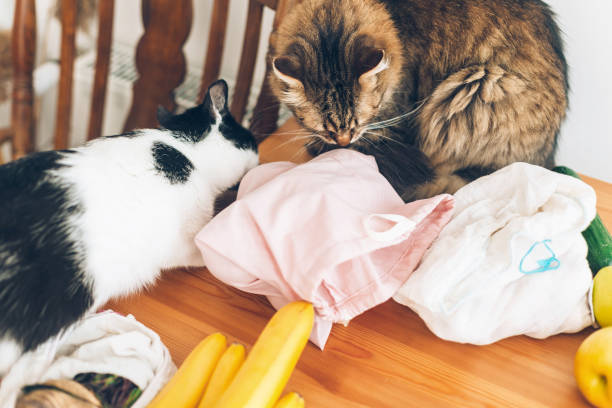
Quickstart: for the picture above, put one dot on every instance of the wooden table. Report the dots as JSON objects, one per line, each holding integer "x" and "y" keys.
{"x": 386, "y": 357}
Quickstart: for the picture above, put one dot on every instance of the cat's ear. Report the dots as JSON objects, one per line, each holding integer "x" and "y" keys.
{"x": 370, "y": 62}
{"x": 287, "y": 70}
{"x": 216, "y": 98}
{"x": 163, "y": 115}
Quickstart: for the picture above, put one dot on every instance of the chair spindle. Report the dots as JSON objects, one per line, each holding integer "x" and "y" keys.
{"x": 67, "y": 55}
{"x": 105, "y": 38}
{"x": 24, "y": 51}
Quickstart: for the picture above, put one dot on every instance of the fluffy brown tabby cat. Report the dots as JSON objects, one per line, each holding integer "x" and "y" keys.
{"x": 439, "y": 91}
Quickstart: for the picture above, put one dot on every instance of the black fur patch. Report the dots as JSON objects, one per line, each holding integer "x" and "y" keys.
{"x": 473, "y": 172}
{"x": 224, "y": 199}
{"x": 41, "y": 283}
{"x": 196, "y": 123}
{"x": 171, "y": 163}
{"x": 191, "y": 125}
{"x": 130, "y": 134}
{"x": 234, "y": 132}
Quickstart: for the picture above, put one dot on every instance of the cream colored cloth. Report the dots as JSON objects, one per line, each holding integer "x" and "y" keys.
{"x": 511, "y": 261}
{"x": 106, "y": 343}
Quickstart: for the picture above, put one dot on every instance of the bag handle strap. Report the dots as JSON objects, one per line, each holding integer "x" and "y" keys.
{"x": 402, "y": 226}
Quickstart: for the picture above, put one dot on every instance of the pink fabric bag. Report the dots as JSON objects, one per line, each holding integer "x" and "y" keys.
{"x": 331, "y": 231}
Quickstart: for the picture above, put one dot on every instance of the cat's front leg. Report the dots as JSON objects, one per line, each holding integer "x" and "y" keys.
{"x": 404, "y": 166}
{"x": 447, "y": 180}
{"x": 224, "y": 199}
{"x": 441, "y": 184}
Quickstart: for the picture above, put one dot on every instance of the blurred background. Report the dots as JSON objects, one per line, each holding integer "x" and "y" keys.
{"x": 585, "y": 140}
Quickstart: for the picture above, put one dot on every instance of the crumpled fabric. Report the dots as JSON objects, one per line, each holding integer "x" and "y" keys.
{"x": 106, "y": 343}
{"x": 511, "y": 261}
{"x": 332, "y": 231}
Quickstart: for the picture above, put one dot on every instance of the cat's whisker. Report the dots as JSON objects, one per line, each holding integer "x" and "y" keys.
{"x": 293, "y": 140}
{"x": 384, "y": 137}
{"x": 384, "y": 124}
{"x": 293, "y": 132}
{"x": 284, "y": 136}
{"x": 300, "y": 151}
{"x": 287, "y": 133}
{"x": 389, "y": 140}
{"x": 372, "y": 144}
{"x": 313, "y": 142}
{"x": 391, "y": 121}
{"x": 396, "y": 119}
{"x": 368, "y": 140}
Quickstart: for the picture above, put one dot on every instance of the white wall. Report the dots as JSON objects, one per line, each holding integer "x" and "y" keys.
{"x": 586, "y": 136}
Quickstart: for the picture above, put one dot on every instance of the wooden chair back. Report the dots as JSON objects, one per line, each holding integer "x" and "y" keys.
{"x": 159, "y": 61}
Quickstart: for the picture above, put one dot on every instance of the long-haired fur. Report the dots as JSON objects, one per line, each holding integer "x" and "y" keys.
{"x": 440, "y": 92}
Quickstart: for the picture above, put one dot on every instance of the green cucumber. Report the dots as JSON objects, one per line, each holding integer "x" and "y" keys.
{"x": 596, "y": 235}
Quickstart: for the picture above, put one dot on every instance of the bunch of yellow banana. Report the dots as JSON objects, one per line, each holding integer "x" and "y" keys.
{"x": 214, "y": 375}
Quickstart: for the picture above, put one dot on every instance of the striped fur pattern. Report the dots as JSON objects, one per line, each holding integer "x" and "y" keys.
{"x": 440, "y": 92}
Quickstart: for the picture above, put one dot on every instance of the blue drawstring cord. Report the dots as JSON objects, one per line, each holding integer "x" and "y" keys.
{"x": 547, "y": 264}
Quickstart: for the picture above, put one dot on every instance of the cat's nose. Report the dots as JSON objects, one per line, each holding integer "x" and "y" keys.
{"x": 344, "y": 137}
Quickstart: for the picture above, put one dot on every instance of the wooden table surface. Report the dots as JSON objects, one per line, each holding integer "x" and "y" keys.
{"x": 386, "y": 357}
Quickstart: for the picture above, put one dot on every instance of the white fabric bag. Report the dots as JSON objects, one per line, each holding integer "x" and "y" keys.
{"x": 106, "y": 343}
{"x": 511, "y": 261}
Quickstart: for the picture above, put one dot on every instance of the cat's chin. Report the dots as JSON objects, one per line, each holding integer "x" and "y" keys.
{"x": 317, "y": 146}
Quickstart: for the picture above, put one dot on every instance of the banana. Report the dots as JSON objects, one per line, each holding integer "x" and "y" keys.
{"x": 185, "y": 388}
{"x": 267, "y": 368}
{"x": 290, "y": 400}
{"x": 228, "y": 366}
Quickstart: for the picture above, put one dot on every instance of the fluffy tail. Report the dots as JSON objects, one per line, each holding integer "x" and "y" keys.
{"x": 485, "y": 115}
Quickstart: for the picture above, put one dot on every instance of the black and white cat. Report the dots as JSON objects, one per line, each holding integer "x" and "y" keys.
{"x": 80, "y": 226}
